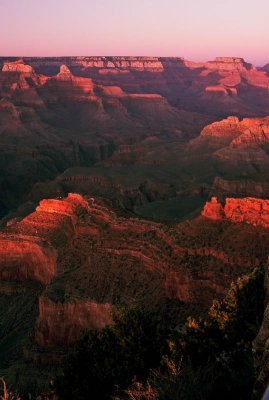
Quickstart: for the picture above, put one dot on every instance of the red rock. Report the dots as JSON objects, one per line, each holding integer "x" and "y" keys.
{"x": 17, "y": 66}
{"x": 213, "y": 210}
{"x": 230, "y": 126}
{"x": 248, "y": 210}
{"x": 236, "y": 144}
{"x": 26, "y": 252}
{"x": 64, "y": 70}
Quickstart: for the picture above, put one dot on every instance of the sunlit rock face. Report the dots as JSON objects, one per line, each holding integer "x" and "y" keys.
{"x": 17, "y": 66}
{"x": 248, "y": 210}
{"x": 228, "y": 127}
{"x": 27, "y": 252}
{"x": 213, "y": 210}
{"x": 238, "y": 131}
{"x": 238, "y": 147}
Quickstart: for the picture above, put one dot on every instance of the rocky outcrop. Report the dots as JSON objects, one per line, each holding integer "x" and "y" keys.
{"x": 64, "y": 71}
{"x": 236, "y": 145}
{"x": 251, "y": 211}
{"x": 68, "y": 85}
{"x": 17, "y": 66}
{"x": 230, "y": 126}
{"x": 26, "y": 249}
{"x": 213, "y": 210}
{"x": 218, "y": 135}
{"x": 248, "y": 210}
{"x": 72, "y": 207}
{"x": 257, "y": 131}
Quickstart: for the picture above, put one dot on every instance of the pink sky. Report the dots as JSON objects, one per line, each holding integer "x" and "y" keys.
{"x": 194, "y": 29}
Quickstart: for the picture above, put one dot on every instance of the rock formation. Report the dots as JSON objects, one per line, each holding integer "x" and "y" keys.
{"x": 90, "y": 106}
{"x": 213, "y": 210}
{"x": 229, "y": 64}
{"x": 234, "y": 74}
{"x": 17, "y": 66}
{"x": 238, "y": 148}
{"x": 248, "y": 210}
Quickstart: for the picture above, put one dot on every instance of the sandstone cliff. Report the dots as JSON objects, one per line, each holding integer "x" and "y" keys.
{"x": 248, "y": 210}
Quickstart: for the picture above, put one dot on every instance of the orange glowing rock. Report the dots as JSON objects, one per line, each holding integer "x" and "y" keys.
{"x": 248, "y": 210}
{"x": 17, "y": 66}
{"x": 213, "y": 209}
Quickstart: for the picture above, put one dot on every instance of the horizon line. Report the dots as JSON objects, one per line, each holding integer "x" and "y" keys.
{"x": 133, "y": 56}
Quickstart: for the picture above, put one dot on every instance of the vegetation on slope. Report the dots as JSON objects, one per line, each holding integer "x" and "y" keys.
{"x": 205, "y": 359}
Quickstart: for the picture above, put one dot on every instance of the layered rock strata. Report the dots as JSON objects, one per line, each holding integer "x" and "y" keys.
{"x": 93, "y": 262}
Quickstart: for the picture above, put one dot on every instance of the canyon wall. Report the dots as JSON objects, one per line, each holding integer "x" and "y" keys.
{"x": 92, "y": 262}
{"x": 61, "y": 324}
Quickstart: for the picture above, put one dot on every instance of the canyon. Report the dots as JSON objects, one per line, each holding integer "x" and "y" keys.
{"x": 182, "y": 126}
{"x": 125, "y": 181}
{"x": 85, "y": 262}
